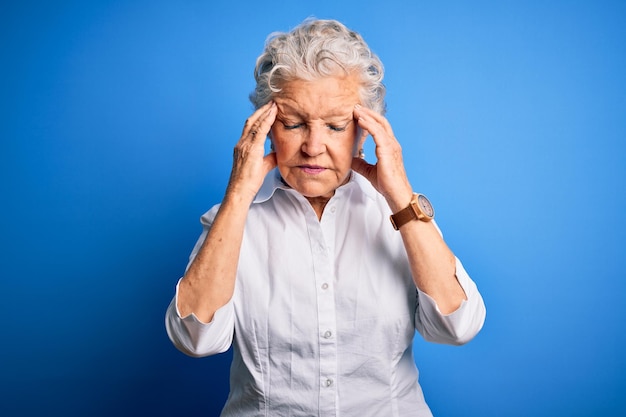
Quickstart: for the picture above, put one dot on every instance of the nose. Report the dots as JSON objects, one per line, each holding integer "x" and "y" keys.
{"x": 314, "y": 143}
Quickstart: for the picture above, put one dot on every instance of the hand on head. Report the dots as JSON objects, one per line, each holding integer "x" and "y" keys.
{"x": 250, "y": 164}
{"x": 388, "y": 174}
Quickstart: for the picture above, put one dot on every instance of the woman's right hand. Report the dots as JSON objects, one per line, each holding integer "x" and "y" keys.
{"x": 250, "y": 164}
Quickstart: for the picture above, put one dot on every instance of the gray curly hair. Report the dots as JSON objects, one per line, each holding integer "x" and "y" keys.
{"x": 316, "y": 49}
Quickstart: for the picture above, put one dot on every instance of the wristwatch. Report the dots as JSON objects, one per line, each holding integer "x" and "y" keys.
{"x": 419, "y": 209}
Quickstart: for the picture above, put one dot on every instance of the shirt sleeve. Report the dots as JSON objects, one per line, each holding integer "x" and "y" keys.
{"x": 190, "y": 335}
{"x": 195, "y": 338}
{"x": 458, "y": 327}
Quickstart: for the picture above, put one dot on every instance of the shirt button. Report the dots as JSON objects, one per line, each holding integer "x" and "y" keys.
{"x": 328, "y": 334}
{"x": 324, "y": 286}
{"x": 329, "y": 382}
{"x": 332, "y": 209}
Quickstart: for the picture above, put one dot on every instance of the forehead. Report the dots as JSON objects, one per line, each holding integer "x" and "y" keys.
{"x": 319, "y": 98}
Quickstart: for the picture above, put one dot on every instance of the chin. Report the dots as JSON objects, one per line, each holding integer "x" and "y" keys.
{"x": 315, "y": 191}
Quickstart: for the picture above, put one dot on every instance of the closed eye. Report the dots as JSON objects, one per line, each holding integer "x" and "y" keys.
{"x": 332, "y": 127}
{"x": 337, "y": 128}
{"x": 340, "y": 127}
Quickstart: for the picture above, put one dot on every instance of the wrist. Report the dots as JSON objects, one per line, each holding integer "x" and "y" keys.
{"x": 400, "y": 201}
{"x": 240, "y": 193}
{"x": 419, "y": 208}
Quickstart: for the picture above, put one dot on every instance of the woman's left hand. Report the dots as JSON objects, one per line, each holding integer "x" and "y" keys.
{"x": 388, "y": 175}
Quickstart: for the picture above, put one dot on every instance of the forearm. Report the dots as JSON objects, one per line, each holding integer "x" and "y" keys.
{"x": 432, "y": 264}
{"x": 458, "y": 327}
{"x": 209, "y": 282}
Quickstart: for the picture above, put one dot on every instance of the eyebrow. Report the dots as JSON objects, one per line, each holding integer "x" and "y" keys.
{"x": 334, "y": 113}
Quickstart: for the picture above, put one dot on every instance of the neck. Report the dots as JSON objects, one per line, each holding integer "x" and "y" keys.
{"x": 318, "y": 204}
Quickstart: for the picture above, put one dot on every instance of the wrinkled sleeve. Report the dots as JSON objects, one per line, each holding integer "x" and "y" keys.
{"x": 195, "y": 338}
{"x": 190, "y": 335}
{"x": 458, "y": 327}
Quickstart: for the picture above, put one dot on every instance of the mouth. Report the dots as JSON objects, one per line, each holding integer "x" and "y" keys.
{"x": 312, "y": 169}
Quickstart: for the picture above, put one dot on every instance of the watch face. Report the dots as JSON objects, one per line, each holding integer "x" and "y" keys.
{"x": 425, "y": 205}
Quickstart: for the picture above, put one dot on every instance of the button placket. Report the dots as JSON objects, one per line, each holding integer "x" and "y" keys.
{"x": 321, "y": 241}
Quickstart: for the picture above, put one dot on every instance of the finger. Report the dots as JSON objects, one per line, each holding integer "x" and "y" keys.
{"x": 259, "y": 129}
{"x": 265, "y": 123}
{"x": 376, "y": 124}
{"x": 254, "y": 126}
{"x": 377, "y": 117}
{"x": 375, "y": 128}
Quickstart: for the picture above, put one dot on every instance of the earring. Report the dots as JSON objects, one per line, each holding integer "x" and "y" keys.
{"x": 361, "y": 154}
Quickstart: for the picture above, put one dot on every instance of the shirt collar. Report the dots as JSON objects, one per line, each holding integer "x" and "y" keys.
{"x": 273, "y": 181}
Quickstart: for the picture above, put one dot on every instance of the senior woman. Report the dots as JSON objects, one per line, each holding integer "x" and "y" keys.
{"x": 300, "y": 268}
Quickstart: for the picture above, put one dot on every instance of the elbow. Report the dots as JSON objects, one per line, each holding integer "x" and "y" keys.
{"x": 197, "y": 344}
{"x": 201, "y": 350}
{"x": 457, "y": 328}
{"x": 197, "y": 339}
{"x": 462, "y": 336}
{"x": 453, "y": 337}
{"x": 465, "y": 333}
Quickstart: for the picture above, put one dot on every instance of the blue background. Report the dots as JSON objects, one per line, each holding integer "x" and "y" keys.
{"x": 118, "y": 120}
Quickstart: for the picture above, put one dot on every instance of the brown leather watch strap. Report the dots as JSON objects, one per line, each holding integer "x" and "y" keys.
{"x": 404, "y": 216}
{"x": 419, "y": 209}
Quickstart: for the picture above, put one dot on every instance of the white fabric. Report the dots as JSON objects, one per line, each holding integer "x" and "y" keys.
{"x": 324, "y": 312}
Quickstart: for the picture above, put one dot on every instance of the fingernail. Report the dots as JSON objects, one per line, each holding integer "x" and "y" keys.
{"x": 357, "y": 106}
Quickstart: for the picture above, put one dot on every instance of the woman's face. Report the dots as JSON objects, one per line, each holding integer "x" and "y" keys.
{"x": 315, "y": 134}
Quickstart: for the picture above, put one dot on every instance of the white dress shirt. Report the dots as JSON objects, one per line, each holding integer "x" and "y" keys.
{"x": 324, "y": 311}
